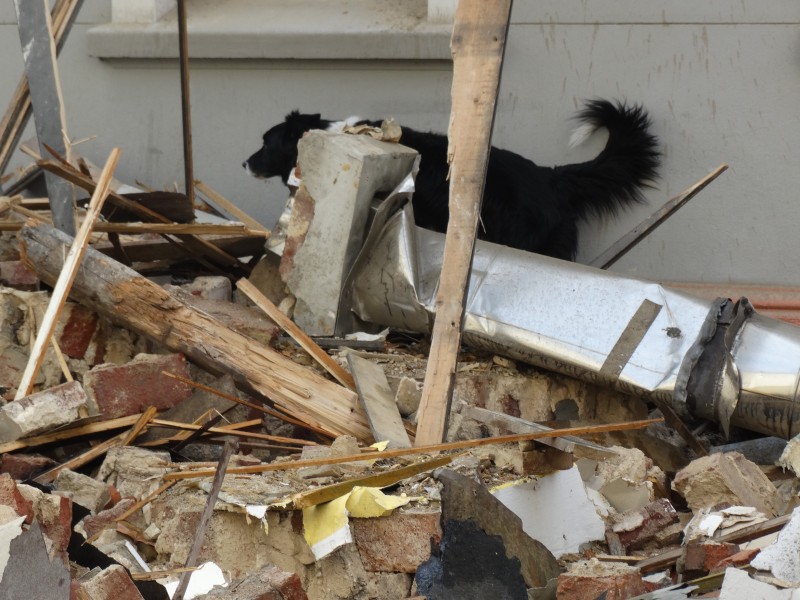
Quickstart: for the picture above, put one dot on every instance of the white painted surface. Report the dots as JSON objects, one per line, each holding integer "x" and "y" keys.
{"x": 555, "y": 510}
{"x": 721, "y": 81}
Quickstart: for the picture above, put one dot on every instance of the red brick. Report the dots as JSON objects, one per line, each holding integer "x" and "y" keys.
{"x": 656, "y": 516}
{"x": 54, "y": 514}
{"x": 397, "y": 543}
{"x": 121, "y": 390}
{"x": 16, "y": 275}
{"x": 612, "y": 582}
{"x": 112, "y": 583}
{"x": 94, "y": 524}
{"x": 24, "y": 466}
{"x": 740, "y": 559}
{"x": 701, "y": 557}
{"x": 11, "y": 496}
{"x": 80, "y": 325}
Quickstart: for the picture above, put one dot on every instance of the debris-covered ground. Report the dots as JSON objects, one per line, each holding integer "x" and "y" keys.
{"x": 196, "y": 407}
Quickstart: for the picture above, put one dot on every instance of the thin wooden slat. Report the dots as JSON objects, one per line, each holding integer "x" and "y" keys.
{"x": 298, "y": 335}
{"x": 337, "y": 490}
{"x": 460, "y": 445}
{"x": 628, "y": 241}
{"x": 229, "y": 207}
{"x": 66, "y": 278}
{"x": 67, "y": 434}
{"x": 478, "y": 44}
{"x": 247, "y": 434}
{"x": 120, "y": 439}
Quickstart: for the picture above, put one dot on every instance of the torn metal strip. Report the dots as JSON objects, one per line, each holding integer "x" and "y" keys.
{"x": 716, "y": 360}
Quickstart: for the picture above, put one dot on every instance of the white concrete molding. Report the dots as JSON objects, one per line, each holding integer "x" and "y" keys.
{"x": 140, "y": 11}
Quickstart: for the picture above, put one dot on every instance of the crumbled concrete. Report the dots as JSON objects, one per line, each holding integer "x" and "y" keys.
{"x": 408, "y": 396}
{"x": 83, "y": 490}
{"x": 270, "y": 583}
{"x": 737, "y": 585}
{"x": 783, "y": 556}
{"x": 44, "y": 411}
{"x": 134, "y": 472}
{"x": 624, "y": 481}
{"x": 726, "y": 478}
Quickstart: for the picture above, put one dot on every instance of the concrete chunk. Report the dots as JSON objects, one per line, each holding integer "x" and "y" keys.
{"x": 83, "y": 490}
{"x": 726, "y": 478}
{"x": 341, "y": 175}
{"x": 42, "y": 411}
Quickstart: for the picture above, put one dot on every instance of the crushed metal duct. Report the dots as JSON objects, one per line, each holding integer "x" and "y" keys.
{"x": 714, "y": 360}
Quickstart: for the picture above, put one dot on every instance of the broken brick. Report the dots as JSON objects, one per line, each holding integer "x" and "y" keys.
{"x": 112, "y": 583}
{"x": 739, "y": 559}
{"x": 11, "y": 496}
{"x": 16, "y": 275}
{"x": 701, "y": 557}
{"x": 592, "y": 579}
{"x": 24, "y": 466}
{"x": 397, "y": 543}
{"x": 726, "y": 478}
{"x": 54, "y": 514}
{"x": 93, "y": 525}
{"x": 651, "y": 519}
{"x": 80, "y": 325}
{"x": 121, "y": 390}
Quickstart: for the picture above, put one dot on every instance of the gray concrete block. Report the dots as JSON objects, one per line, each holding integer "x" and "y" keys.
{"x": 342, "y": 174}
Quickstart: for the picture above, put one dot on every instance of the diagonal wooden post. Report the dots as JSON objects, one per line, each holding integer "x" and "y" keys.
{"x": 477, "y": 45}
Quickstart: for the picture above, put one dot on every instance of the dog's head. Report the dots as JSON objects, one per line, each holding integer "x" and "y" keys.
{"x": 278, "y": 155}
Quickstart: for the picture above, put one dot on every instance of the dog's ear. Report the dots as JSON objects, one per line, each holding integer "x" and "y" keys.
{"x": 297, "y": 124}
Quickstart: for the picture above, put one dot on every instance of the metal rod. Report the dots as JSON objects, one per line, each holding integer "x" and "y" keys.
{"x": 188, "y": 163}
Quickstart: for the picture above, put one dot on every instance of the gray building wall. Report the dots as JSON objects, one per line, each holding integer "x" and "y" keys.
{"x": 720, "y": 79}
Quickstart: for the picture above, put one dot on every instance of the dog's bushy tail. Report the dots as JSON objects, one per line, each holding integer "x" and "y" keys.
{"x": 617, "y": 176}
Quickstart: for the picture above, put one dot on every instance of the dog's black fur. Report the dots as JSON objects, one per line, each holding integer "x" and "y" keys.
{"x": 524, "y": 205}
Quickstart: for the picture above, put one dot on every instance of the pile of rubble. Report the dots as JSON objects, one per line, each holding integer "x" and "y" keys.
{"x": 188, "y": 432}
{"x": 196, "y": 407}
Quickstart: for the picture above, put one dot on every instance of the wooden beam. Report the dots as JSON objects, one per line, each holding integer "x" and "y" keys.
{"x": 66, "y": 277}
{"x": 478, "y": 44}
{"x": 126, "y": 298}
{"x": 378, "y": 401}
{"x": 38, "y": 43}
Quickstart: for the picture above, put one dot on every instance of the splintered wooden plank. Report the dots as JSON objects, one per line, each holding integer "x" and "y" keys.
{"x": 39, "y": 55}
{"x": 129, "y": 299}
{"x": 478, "y": 43}
{"x": 378, "y": 402}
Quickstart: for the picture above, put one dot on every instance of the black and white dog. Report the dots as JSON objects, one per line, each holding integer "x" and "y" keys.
{"x": 524, "y": 206}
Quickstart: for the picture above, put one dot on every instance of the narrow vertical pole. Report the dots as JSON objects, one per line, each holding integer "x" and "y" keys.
{"x": 188, "y": 163}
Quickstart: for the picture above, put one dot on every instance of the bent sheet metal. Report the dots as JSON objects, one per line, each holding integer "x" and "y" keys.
{"x": 716, "y": 360}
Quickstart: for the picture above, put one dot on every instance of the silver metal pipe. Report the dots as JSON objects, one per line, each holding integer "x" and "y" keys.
{"x": 715, "y": 360}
